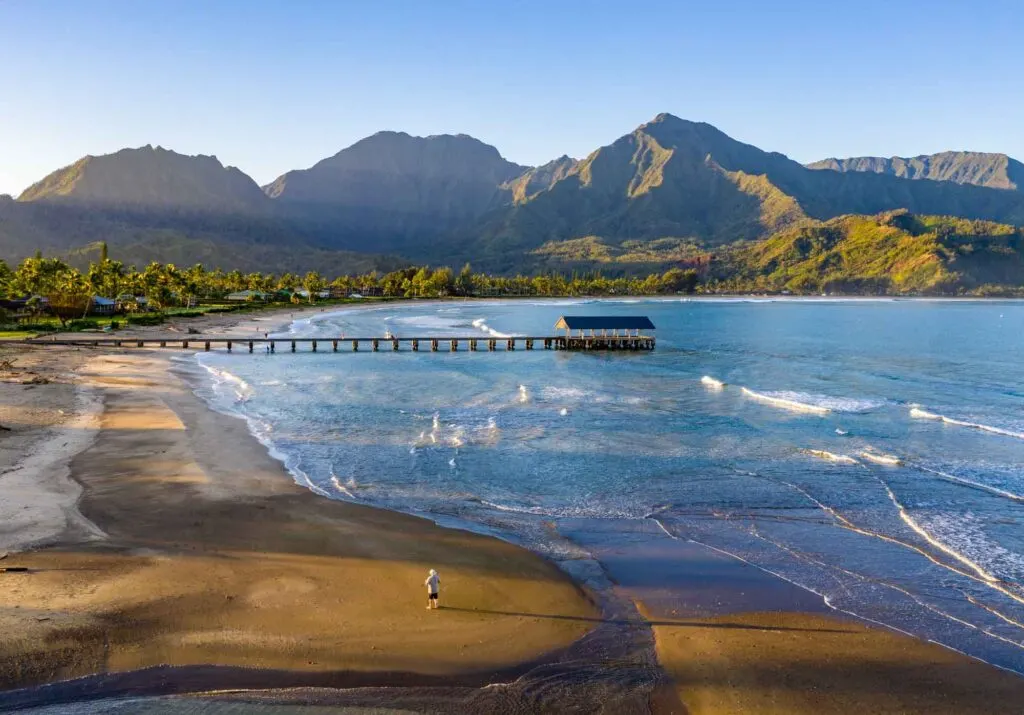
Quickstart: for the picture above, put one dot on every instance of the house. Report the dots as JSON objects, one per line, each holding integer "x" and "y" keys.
{"x": 102, "y": 306}
{"x": 128, "y": 303}
{"x": 303, "y": 293}
{"x": 244, "y": 296}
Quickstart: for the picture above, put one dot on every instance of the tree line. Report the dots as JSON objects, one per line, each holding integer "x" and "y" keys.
{"x": 164, "y": 285}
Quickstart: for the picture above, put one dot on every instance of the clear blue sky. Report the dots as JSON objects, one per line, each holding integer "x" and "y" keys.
{"x": 270, "y": 86}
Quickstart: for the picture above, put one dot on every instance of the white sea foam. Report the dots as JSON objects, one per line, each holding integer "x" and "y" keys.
{"x": 712, "y": 382}
{"x": 889, "y": 460}
{"x": 831, "y": 456}
{"x": 971, "y": 483}
{"x": 965, "y": 533}
{"x": 575, "y": 395}
{"x": 786, "y": 403}
{"x": 480, "y": 324}
{"x": 343, "y": 488}
{"x": 524, "y": 395}
{"x": 554, "y": 393}
{"x": 813, "y": 403}
{"x": 564, "y": 411}
{"x": 841, "y": 432}
{"x": 917, "y": 413}
{"x": 241, "y": 389}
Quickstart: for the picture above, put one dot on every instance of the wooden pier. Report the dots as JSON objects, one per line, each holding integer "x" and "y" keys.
{"x": 434, "y": 344}
{"x": 604, "y": 334}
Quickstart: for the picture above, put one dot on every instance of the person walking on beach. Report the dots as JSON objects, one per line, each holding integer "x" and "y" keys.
{"x": 433, "y": 584}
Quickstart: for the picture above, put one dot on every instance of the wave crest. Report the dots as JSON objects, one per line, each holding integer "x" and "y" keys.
{"x": 920, "y": 414}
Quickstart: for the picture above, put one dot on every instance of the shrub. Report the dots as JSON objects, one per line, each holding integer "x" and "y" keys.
{"x": 187, "y": 314}
{"x": 115, "y": 325}
{"x": 145, "y": 319}
{"x": 82, "y": 324}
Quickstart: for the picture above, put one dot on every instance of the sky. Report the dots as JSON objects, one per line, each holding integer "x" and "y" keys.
{"x": 269, "y": 86}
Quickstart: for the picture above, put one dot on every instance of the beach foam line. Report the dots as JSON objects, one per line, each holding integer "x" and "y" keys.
{"x": 831, "y": 456}
{"x": 341, "y": 487}
{"x": 711, "y": 382}
{"x": 918, "y": 413}
{"x": 970, "y": 483}
{"x": 784, "y": 403}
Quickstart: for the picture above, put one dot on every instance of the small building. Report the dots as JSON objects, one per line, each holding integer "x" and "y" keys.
{"x": 606, "y": 332}
{"x": 629, "y": 326}
{"x": 245, "y": 296}
{"x": 102, "y": 306}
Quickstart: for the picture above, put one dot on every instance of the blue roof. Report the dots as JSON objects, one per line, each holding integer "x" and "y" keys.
{"x": 605, "y": 322}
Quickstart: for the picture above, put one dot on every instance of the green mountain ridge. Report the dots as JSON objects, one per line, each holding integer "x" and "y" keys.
{"x": 892, "y": 253}
{"x": 995, "y": 171}
{"x": 671, "y": 192}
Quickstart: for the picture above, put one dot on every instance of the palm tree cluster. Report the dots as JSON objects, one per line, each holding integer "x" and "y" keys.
{"x": 166, "y": 285}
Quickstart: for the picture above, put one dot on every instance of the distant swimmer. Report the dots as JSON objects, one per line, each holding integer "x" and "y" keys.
{"x": 433, "y": 584}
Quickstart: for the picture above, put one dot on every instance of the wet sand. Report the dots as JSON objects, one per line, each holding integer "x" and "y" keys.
{"x": 724, "y": 655}
{"x": 197, "y": 548}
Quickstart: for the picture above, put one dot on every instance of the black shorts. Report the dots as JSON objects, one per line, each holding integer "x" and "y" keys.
{"x": 432, "y": 596}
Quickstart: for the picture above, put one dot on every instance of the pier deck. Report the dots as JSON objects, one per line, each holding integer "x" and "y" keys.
{"x": 348, "y": 344}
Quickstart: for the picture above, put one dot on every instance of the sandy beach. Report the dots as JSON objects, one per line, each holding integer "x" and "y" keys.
{"x": 190, "y": 545}
{"x": 160, "y": 533}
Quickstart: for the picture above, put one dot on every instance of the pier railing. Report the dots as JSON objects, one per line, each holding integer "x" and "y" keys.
{"x": 347, "y": 344}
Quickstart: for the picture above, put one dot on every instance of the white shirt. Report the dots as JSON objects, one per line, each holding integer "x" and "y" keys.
{"x": 432, "y": 582}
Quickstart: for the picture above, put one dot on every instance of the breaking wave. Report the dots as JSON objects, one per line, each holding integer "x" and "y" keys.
{"x": 811, "y": 403}
{"x": 831, "y": 456}
{"x": 222, "y": 379}
{"x": 889, "y": 460}
{"x": 918, "y": 413}
{"x": 480, "y": 324}
{"x": 712, "y": 383}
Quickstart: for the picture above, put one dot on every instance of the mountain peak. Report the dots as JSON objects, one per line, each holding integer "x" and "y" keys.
{"x": 148, "y": 176}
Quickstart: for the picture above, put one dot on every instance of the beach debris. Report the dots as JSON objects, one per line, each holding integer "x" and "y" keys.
{"x": 4, "y": 429}
{"x": 13, "y": 569}
{"x": 7, "y": 364}
{"x": 36, "y": 380}
{"x": 193, "y": 331}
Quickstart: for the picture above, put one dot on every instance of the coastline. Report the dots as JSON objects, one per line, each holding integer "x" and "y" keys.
{"x": 737, "y": 659}
{"x": 186, "y": 574}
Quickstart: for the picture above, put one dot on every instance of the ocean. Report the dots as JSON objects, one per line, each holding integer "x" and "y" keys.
{"x": 870, "y": 452}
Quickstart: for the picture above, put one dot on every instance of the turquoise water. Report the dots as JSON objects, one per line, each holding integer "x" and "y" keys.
{"x": 871, "y": 452}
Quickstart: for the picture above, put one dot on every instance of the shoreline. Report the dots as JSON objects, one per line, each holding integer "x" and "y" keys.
{"x": 725, "y": 682}
{"x": 184, "y": 522}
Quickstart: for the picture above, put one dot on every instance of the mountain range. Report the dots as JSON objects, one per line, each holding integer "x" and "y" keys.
{"x": 666, "y": 191}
